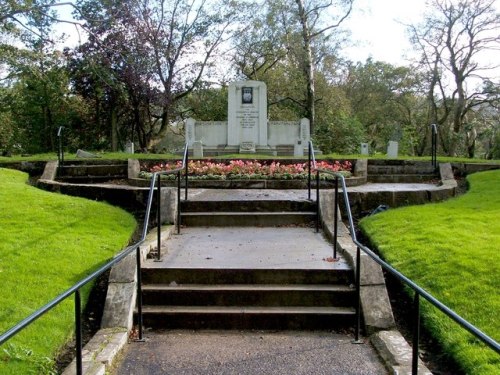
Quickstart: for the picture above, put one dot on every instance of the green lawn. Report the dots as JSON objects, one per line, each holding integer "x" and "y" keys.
{"x": 124, "y": 156}
{"x": 47, "y": 243}
{"x": 451, "y": 249}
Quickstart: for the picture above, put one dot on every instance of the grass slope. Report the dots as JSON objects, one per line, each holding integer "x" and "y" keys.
{"x": 452, "y": 250}
{"x": 124, "y": 156}
{"x": 47, "y": 243}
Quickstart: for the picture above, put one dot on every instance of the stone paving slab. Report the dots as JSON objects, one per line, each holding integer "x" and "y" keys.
{"x": 297, "y": 194}
{"x": 249, "y": 352}
{"x": 248, "y": 248}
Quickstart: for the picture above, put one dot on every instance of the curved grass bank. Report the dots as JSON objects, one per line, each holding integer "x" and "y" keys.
{"x": 47, "y": 243}
{"x": 452, "y": 250}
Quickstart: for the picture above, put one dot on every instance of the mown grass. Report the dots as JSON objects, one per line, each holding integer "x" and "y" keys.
{"x": 124, "y": 156}
{"x": 451, "y": 249}
{"x": 48, "y": 242}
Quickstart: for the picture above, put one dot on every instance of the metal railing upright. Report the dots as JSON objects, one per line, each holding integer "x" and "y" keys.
{"x": 60, "y": 150}
{"x": 434, "y": 134}
{"x": 419, "y": 291}
{"x": 156, "y": 178}
{"x": 75, "y": 289}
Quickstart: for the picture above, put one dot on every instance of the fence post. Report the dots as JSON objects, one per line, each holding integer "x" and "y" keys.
{"x": 78, "y": 332}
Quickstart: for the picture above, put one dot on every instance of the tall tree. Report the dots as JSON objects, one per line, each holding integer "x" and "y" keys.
{"x": 453, "y": 38}
{"x": 311, "y": 15}
{"x": 387, "y": 101}
{"x": 160, "y": 50}
{"x": 294, "y": 37}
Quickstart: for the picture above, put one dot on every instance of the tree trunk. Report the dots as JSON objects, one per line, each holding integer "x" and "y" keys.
{"x": 308, "y": 67}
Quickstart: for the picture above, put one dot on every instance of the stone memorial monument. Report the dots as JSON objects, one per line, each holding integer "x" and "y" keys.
{"x": 365, "y": 149}
{"x": 247, "y": 117}
{"x": 247, "y": 129}
{"x": 392, "y": 150}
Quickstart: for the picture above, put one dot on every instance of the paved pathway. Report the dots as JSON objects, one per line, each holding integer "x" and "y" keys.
{"x": 248, "y": 248}
{"x": 248, "y": 352}
{"x": 251, "y": 352}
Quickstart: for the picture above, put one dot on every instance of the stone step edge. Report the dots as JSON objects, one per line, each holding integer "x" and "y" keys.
{"x": 100, "y": 352}
{"x": 257, "y": 310}
{"x": 249, "y": 213}
{"x": 248, "y": 287}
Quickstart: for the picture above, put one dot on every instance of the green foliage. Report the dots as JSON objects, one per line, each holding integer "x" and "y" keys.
{"x": 206, "y": 104}
{"x": 343, "y": 135}
{"x": 383, "y": 98}
{"x": 47, "y": 243}
{"x": 451, "y": 250}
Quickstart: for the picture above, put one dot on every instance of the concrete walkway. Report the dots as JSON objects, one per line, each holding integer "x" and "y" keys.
{"x": 260, "y": 352}
{"x": 248, "y": 248}
{"x": 248, "y": 352}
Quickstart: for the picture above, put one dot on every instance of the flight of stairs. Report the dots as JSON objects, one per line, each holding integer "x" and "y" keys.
{"x": 247, "y": 213}
{"x": 94, "y": 171}
{"x": 245, "y": 298}
{"x": 400, "y": 171}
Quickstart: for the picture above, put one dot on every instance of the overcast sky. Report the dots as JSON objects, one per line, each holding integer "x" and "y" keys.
{"x": 377, "y": 27}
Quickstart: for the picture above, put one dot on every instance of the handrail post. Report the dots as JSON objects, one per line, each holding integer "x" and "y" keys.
{"x": 139, "y": 293}
{"x": 60, "y": 153}
{"x": 78, "y": 332}
{"x": 358, "y": 294}
{"x": 179, "y": 202}
{"x": 158, "y": 218}
{"x": 317, "y": 201}
{"x": 186, "y": 173}
{"x": 416, "y": 333}
{"x": 434, "y": 146}
{"x": 309, "y": 172}
{"x": 335, "y": 218}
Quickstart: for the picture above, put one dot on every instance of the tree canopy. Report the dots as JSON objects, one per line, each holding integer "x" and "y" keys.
{"x": 147, "y": 65}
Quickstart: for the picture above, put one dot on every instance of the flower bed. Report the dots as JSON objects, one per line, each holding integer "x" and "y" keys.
{"x": 248, "y": 170}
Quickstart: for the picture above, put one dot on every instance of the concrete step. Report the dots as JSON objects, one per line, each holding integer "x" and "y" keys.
{"x": 95, "y": 170}
{"x": 90, "y": 179}
{"x": 248, "y": 219}
{"x": 248, "y": 295}
{"x": 400, "y": 167}
{"x": 276, "y": 205}
{"x": 247, "y": 317}
{"x": 92, "y": 173}
{"x": 401, "y": 178}
{"x": 218, "y": 276}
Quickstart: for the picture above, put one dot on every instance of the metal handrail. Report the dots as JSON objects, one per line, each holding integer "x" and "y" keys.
{"x": 75, "y": 289}
{"x": 419, "y": 291}
{"x": 434, "y": 146}
{"x": 60, "y": 153}
{"x": 156, "y": 178}
{"x": 311, "y": 163}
